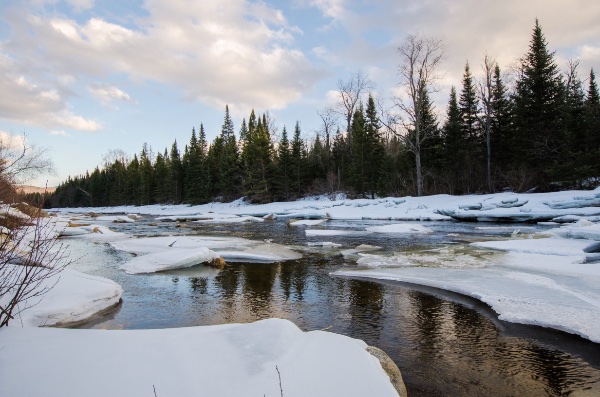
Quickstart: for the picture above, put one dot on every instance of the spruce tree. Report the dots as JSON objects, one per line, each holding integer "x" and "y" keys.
{"x": 229, "y": 165}
{"x": 298, "y": 162}
{"x": 360, "y": 151}
{"x": 538, "y": 106}
{"x": 376, "y": 151}
{"x": 284, "y": 165}
{"x": 176, "y": 192}
{"x": 501, "y": 130}
{"x": 592, "y": 115}
{"x": 455, "y": 150}
{"x": 146, "y": 176}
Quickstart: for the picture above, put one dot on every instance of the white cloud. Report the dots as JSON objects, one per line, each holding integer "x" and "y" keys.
{"x": 25, "y": 101}
{"x": 58, "y": 132}
{"x": 107, "y": 93}
{"x": 333, "y": 9}
{"x": 243, "y": 56}
{"x": 12, "y": 142}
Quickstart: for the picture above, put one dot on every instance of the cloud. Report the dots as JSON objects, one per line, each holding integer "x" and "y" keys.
{"x": 12, "y": 142}
{"x": 57, "y": 132}
{"x": 24, "y": 101}
{"x": 333, "y": 9}
{"x": 107, "y": 93}
{"x": 244, "y": 56}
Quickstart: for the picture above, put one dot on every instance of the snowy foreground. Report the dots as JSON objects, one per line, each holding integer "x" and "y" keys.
{"x": 223, "y": 360}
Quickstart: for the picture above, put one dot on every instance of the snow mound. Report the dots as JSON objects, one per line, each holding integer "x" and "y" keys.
{"x": 307, "y": 222}
{"x": 174, "y": 258}
{"x": 75, "y": 298}
{"x": 148, "y": 245}
{"x": 222, "y": 360}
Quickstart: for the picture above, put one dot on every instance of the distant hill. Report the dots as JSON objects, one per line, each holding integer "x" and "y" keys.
{"x": 34, "y": 189}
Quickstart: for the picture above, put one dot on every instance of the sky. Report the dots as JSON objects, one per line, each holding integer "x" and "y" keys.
{"x": 83, "y": 77}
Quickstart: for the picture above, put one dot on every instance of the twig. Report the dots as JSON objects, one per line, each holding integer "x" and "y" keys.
{"x": 280, "y": 387}
{"x": 154, "y": 387}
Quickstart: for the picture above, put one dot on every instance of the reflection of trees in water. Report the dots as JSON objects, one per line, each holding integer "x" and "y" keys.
{"x": 258, "y": 287}
{"x": 228, "y": 280}
{"x": 366, "y": 306}
{"x": 293, "y": 279}
{"x": 428, "y": 321}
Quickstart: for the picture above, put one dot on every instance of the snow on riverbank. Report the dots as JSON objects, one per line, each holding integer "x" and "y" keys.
{"x": 75, "y": 297}
{"x": 541, "y": 281}
{"x": 222, "y": 360}
{"x": 514, "y": 207}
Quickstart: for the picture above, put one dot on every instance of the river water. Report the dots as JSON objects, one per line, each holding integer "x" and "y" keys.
{"x": 445, "y": 344}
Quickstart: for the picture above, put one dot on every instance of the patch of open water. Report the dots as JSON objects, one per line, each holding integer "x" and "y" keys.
{"x": 445, "y": 344}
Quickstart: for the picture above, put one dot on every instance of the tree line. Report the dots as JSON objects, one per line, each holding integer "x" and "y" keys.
{"x": 540, "y": 130}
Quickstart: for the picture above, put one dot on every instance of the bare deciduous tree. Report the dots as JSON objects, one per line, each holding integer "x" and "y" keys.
{"x": 350, "y": 92}
{"x": 329, "y": 119}
{"x": 20, "y": 162}
{"x": 420, "y": 58}
{"x": 486, "y": 94}
{"x": 30, "y": 254}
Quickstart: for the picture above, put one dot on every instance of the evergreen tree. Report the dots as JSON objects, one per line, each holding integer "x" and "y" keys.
{"x": 592, "y": 115}
{"x": 471, "y": 131}
{"x": 133, "y": 181}
{"x": 162, "y": 178}
{"x": 469, "y": 108}
{"x": 229, "y": 165}
{"x": 360, "y": 152}
{"x": 501, "y": 128}
{"x": 376, "y": 150}
{"x": 284, "y": 165}
{"x": 146, "y": 177}
{"x": 538, "y": 105}
{"x": 193, "y": 171}
{"x": 298, "y": 162}
{"x": 258, "y": 154}
{"x": 176, "y": 192}
{"x": 455, "y": 153}
{"x": 574, "y": 112}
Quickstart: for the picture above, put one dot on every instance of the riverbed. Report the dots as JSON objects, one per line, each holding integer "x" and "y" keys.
{"x": 444, "y": 343}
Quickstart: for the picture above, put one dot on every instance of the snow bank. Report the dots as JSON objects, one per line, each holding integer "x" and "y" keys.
{"x": 75, "y": 297}
{"x": 148, "y": 245}
{"x": 223, "y": 360}
{"x": 174, "y": 258}
{"x": 539, "y": 281}
{"x": 522, "y": 296}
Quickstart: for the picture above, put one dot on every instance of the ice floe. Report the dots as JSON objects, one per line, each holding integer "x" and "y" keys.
{"x": 173, "y": 258}
{"x": 401, "y": 228}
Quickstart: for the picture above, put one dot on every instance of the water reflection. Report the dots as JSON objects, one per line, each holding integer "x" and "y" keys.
{"x": 446, "y": 345}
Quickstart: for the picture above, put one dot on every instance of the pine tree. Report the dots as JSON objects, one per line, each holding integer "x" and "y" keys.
{"x": 376, "y": 151}
{"x": 455, "y": 153}
{"x": 192, "y": 171}
{"x": 538, "y": 105}
{"x": 592, "y": 115}
{"x": 146, "y": 176}
{"x": 471, "y": 131}
{"x": 298, "y": 162}
{"x": 176, "y": 192}
{"x": 360, "y": 152}
{"x": 574, "y": 112}
{"x": 284, "y": 165}
{"x": 229, "y": 165}
{"x": 162, "y": 178}
{"x": 133, "y": 181}
{"x": 501, "y": 130}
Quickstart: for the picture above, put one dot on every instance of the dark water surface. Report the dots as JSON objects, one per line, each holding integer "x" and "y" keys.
{"x": 445, "y": 344}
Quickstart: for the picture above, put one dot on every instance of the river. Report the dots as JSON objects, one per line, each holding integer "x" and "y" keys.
{"x": 445, "y": 344}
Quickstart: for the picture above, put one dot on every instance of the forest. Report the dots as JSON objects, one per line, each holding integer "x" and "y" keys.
{"x": 536, "y": 128}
